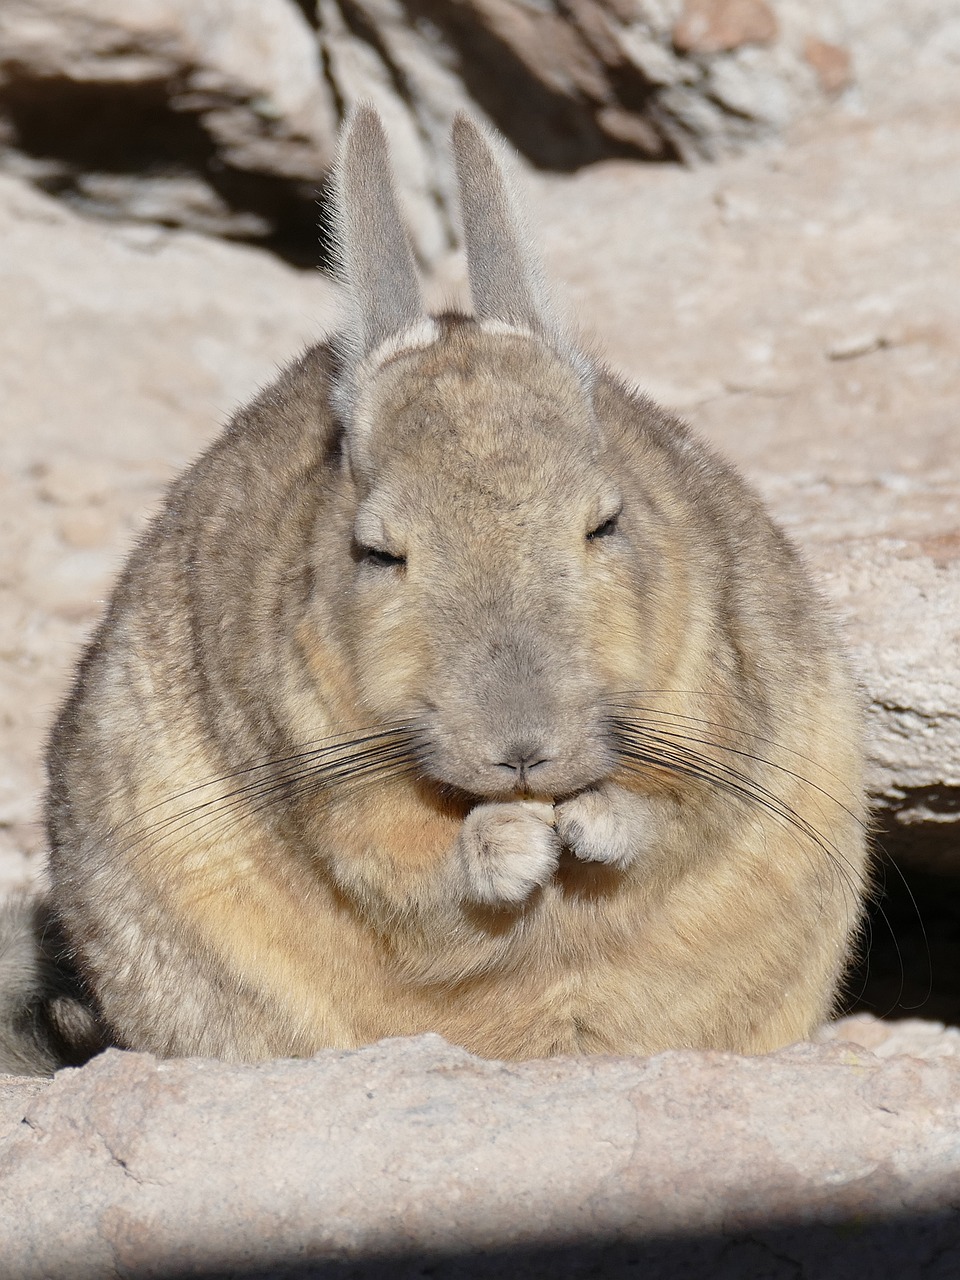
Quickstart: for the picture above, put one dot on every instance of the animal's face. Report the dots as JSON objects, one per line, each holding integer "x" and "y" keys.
{"x": 497, "y": 596}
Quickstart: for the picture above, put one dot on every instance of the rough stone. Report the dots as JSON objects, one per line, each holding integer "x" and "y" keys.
{"x": 832, "y": 63}
{"x": 412, "y": 1152}
{"x": 714, "y": 26}
{"x": 212, "y": 114}
{"x": 911, "y": 1038}
{"x": 221, "y": 115}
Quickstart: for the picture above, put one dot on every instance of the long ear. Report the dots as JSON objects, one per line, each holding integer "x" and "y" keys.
{"x": 506, "y": 280}
{"x": 376, "y": 258}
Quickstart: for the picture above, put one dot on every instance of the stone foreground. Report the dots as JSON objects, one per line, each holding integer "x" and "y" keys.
{"x": 413, "y": 1153}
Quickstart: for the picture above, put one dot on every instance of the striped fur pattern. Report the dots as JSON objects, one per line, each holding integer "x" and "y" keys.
{"x": 457, "y": 687}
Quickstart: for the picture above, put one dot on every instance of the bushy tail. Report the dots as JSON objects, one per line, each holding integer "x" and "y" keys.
{"x": 45, "y": 1023}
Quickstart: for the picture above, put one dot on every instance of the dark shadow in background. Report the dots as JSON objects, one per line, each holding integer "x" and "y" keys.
{"x": 155, "y": 129}
{"x": 911, "y": 964}
{"x": 925, "y": 1247}
{"x": 554, "y": 128}
{"x": 68, "y": 130}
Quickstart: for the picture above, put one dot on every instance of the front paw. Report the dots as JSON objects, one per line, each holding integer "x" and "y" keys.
{"x": 606, "y": 824}
{"x": 507, "y": 850}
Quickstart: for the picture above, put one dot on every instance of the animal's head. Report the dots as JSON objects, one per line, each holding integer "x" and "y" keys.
{"x": 495, "y": 594}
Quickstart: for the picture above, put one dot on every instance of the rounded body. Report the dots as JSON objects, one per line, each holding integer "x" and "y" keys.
{"x": 314, "y": 787}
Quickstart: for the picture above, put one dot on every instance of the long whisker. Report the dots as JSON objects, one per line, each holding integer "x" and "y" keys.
{"x": 674, "y": 736}
{"x": 333, "y": 787}
{"x": 632, "y": 709}
{"x": 309, "y": 750}
{"x": 732, "y": 781}
{"x": 323, "y": 768}
{"x": 680, "y": 760}
{"x": 726, "y": 781}
{"x": 632, "y": 694}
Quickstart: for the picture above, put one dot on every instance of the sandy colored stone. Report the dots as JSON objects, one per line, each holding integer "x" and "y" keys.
{"x": 84, "y": 530}
{"x": 221, "y": 115}
{"x": 832, "y": 63}
{"x": 714, "y": 26}
{"x": 247, "y": 66}
{"x": 911, "y": 1037}
{"x": 414, "y": 1149}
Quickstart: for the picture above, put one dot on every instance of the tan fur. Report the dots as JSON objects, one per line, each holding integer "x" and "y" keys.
{"x": 575, "y": 561}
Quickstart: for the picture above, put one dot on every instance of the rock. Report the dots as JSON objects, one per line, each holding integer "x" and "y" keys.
{"x": 69, "y": 483}
{"x": 211, "y": 114}
{"x": 413, "y": 1154}
{"x": 832, "y": 63}
{"x": 84, "y": 530}
{"x": 912, "y": 1038}
{"x": 221, "y": 115}
{"x": 716, "y": 26}
{"x": 856, "y": 344}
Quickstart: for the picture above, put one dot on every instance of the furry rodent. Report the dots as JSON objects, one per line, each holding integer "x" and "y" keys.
{"x": 458, "y": 688}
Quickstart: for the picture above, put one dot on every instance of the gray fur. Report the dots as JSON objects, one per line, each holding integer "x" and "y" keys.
{"x": 44, "y": 1022}
{"x": 346, "y": 757}
{"x": 506, "y": 278}
{"x": 377, "y": 261}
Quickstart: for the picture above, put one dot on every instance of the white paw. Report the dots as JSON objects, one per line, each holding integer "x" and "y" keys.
{"x": 606, "y": 824}
{"x": 507, "y": 850}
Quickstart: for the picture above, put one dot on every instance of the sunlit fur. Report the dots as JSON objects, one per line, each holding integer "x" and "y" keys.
{"x": 477, "y": 698}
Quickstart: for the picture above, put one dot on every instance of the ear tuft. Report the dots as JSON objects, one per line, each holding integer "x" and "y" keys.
{"x": 377, "y": 264}
{"x": 506, "y": 279}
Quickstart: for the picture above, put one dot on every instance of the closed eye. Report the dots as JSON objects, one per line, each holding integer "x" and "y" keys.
{"x": 606, "y": 529}
{"x": 385, "y": 559}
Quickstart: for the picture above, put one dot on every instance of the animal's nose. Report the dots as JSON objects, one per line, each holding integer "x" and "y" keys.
{"x": 523, "y": 759}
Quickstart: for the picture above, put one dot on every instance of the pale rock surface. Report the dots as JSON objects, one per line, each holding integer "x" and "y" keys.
{"x": 412, "y": 1154}
{"x": 911, "y": 1037}
{"x": 158, "y": 109}
{"x": 221, "y": 115}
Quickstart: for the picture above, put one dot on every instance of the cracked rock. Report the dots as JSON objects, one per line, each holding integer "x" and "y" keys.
{"x": 221, "y": 115}
{"x": 413, "y": 1153}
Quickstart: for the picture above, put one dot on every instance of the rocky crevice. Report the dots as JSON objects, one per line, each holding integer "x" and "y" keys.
{"x": 135, "y": 153}
{"x": 221, "y": 115}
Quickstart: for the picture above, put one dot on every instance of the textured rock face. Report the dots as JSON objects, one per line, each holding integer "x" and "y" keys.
{"x": 210, "y": 114}
{"x": 221, "y": 115}
{"x": 412, "y": 1151}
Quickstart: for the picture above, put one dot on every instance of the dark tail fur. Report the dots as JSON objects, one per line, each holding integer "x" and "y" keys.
{"x": 45, "y": 1022}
